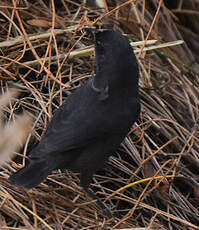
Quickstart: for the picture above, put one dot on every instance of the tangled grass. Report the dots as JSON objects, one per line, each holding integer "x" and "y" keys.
{"x": 46, "y": 55}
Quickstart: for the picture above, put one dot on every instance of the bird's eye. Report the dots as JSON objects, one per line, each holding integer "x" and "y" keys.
{"x": 100, "y": 46}
{"x": 98, "y": 42}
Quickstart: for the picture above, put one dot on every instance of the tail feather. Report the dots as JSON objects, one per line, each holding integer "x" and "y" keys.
{"x": 31, "y": 175}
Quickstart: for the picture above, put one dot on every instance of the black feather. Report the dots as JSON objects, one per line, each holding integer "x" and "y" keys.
{"x": 93, "y": 121}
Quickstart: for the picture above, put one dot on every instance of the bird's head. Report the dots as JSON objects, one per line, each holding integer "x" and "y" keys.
{"x": 114, "y": 54}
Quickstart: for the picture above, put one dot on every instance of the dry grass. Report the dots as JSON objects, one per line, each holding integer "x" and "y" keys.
{"x": 164, "y": 142}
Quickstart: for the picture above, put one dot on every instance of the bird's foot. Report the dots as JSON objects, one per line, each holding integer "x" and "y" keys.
{"x": 105, "y": 210}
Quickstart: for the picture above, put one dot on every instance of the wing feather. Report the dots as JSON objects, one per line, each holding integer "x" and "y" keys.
{"x": 76, "y": 123}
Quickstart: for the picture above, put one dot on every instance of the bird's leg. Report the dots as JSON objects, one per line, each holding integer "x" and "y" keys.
{"x": 105, "y": 209}
{"x": 85, "y": 180}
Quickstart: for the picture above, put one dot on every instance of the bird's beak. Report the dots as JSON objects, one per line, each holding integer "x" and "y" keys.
{"x": 91, "y": 31}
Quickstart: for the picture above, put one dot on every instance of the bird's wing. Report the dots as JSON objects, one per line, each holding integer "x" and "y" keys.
{"x": 76, "y": 123}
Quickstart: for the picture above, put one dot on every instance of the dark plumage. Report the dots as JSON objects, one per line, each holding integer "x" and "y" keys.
{"x": 93, "y": 121}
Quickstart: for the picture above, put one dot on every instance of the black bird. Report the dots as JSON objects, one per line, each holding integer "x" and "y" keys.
{"x": 90, "y": 125}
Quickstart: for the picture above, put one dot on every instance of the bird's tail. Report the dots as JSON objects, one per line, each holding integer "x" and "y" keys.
{"x": 32, "y": 174}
